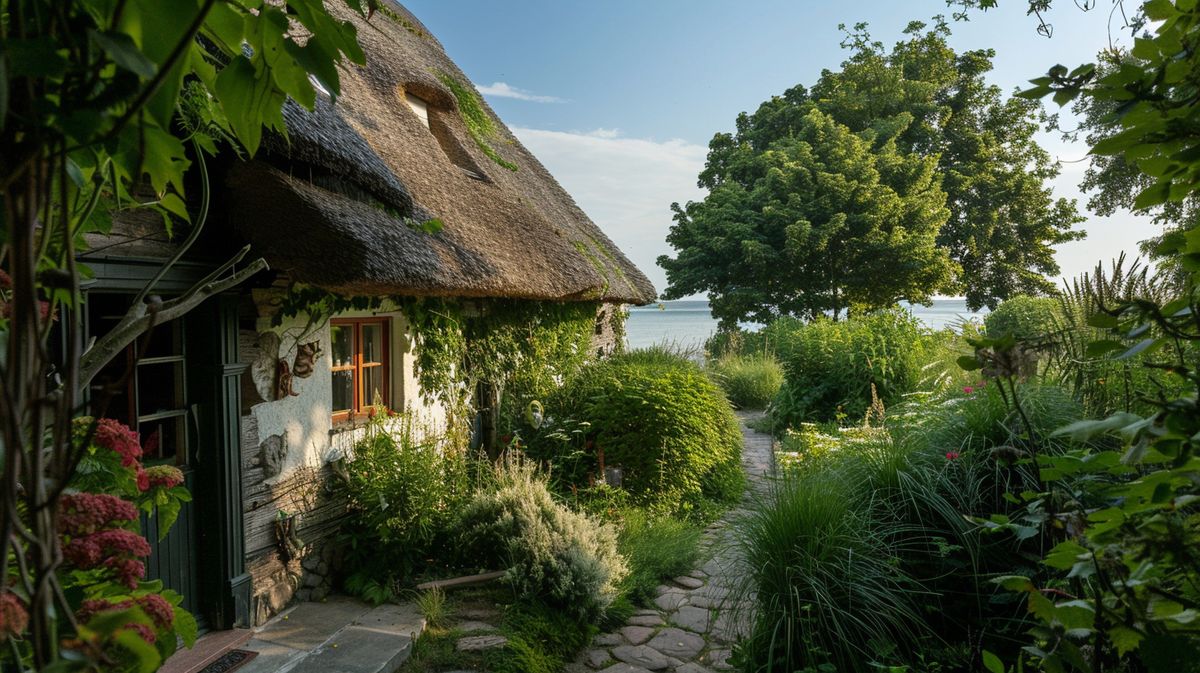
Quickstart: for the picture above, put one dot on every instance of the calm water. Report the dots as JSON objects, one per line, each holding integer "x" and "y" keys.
{"x": 689, "y": 323}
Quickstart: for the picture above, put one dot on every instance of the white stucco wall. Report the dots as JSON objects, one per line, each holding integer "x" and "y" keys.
{"x": 305, "y": 420}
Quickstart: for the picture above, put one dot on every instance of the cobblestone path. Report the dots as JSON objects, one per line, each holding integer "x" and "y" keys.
{"x": 694, "y": 623}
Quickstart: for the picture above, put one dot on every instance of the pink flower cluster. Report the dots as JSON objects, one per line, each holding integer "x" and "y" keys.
{"x": 14, "y": 618}
{"x": 156, "y": 608}
{"x": 166, "y": 476}
{"x": 82, "y": 514}
{"x": 93, "y": 526}
{"x": 117, "y": 436}
{"x": 116, "y": 549}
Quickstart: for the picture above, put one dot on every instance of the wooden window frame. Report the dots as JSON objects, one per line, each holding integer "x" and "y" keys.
{"x": 360, "y": 408}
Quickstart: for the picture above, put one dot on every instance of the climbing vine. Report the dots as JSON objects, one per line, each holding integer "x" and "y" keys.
{"x": 522, "y": 349}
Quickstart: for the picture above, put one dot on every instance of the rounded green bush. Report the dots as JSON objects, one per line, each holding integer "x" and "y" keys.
{"x": 1023, "y": 316}
{"x": 750, "y": 381}
{"x": 661, "y": 419}
{"x": 831, "y": 365}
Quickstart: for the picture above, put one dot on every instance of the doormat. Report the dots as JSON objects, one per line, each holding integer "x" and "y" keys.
{"x": 230, "y": 661}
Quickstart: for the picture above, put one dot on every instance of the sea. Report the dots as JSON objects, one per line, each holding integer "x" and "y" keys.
{"x": 688, "y": 323}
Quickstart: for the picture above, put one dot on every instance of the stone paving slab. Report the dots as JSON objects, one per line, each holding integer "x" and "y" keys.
{"x": 358, "y": 649}
{"x": 699, "y": 606}
{"x": 308, "y": 625}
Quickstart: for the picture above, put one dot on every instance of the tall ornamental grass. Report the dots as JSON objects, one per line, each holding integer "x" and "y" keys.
{"x": 750, "y": 381}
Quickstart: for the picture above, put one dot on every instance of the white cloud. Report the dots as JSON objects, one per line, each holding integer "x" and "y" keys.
{"x": 504, "y": 90}
{"x": 626, "y": 185}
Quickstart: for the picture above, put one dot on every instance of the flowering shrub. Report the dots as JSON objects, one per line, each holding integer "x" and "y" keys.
{"x": 119, "y": 618}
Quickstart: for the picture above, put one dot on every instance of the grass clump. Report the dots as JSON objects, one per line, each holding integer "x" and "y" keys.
{"x": 656, "y": 548}
{"x": 432, "y": 605}
{"x": 750, "y": 381}
{"x": 553, "y": 554}
{"x": 479, "y": 124}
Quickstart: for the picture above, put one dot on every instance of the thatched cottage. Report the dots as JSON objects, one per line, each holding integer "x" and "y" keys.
{"x": 348, "y": 203}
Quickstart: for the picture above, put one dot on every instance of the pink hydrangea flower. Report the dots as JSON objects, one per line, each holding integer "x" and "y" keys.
{"x": 144, "y": 631}
{"x": 158, "y": 609}
{"x": 86, "y": 513}
{"x": 166, "y": 476}
{"x": 14, "y": 618}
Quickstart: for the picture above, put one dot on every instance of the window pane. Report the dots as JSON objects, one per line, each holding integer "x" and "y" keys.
{"x": 165, "y": 340}
{"x": 163, "y": 440}
{"x": 343, "y": 390}
{"x": 372, "y": 343}
{"x": 373, "y": 386}
{"x": 342, "y": 344}
{"x": 159, "y": 387}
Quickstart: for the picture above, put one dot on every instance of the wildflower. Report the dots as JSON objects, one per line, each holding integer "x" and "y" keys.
{"x": 14, "y": 618}
{"x": 166, "y": 476}
{"x": 951, "y": 455}
{"x": 968, "y": 389}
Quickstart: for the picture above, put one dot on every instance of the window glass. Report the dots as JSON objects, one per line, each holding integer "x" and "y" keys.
{"x": 372, "y": 343}
{"x": 343, "y": 390}
{"x": 342, "y": 342}
{"x": 419, "y": 107}
{"x": 373, "y": 386}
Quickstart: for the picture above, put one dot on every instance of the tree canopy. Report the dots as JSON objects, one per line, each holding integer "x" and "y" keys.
{"x": 820, "y": 219}
{"x": 997, "y": 220}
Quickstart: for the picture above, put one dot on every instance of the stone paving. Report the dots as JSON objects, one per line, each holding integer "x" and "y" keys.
{"x": 694, "y": 623}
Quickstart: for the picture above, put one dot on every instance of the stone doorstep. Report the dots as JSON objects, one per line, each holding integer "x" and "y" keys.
{"x": 359, "y": 639}
{"x": 207, "y": 649}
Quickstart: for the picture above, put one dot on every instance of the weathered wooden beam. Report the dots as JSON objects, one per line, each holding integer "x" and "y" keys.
{"x": 458, "y": 582}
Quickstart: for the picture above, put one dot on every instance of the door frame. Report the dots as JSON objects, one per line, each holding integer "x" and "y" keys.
{"x": 214, "y": 388}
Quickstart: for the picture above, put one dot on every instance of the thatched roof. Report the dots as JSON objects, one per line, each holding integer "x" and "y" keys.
{"x": 335, "y": 204}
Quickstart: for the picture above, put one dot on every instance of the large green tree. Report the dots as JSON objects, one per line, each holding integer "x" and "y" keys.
{"x": 819, "y": 219}
{"x": 920, "y": 99}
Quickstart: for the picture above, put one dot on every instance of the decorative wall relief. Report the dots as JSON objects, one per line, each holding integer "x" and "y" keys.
{"x": 306, "y": 356}
{"x": 283, "y": 380}
{"x": 263, "y": 368}
{"x": 274, "y": 450}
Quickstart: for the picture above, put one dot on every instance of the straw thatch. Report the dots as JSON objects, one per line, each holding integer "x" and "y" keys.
{"x": 335, "y": 203}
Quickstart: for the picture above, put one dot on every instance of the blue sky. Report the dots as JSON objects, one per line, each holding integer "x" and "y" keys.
{"x": 620, "y": 98}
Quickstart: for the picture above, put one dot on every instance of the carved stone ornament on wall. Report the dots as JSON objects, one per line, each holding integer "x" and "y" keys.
{"x": 306, "y": 356}
{"x": 263, "y": 369}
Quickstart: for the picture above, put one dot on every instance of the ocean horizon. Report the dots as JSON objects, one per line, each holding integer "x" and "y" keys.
{"x": 689, "y": 322}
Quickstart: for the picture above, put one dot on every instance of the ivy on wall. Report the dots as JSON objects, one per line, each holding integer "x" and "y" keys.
{"x": 523, "y": 349}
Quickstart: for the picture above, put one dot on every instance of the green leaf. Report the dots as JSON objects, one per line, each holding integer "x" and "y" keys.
{"x": 992, "y": 663}
{"x": 242, "y": 92}
{"x": 1064, "y": 555}
{"x": 121, "y": 49}
{"x": 146, "y": 656}
{"x": 1102, "y": 347}
{"x": 175, "y": 206}
{"x": 1125, "y": 639}
{"x": 969, "y": 362}
{"x": 185, "y": 626}
{"x": 1159, "y": 10}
